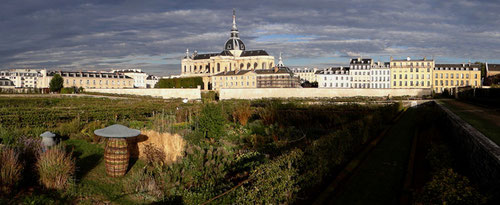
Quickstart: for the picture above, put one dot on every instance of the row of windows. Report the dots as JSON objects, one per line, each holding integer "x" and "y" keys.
{"x": 100, "y": 82}
{"x": 342, "y": 85}
{"x": 411, "y": 70}
{"x": 233, "y": 84}
{"x": 410, "y": 83}
{"x": 411, "y": 64}
{"x": 456, "y": 75}
{"x": 454, "y": 83}
{"x": 242, "y": 67}
{"x": 411, "y": 76}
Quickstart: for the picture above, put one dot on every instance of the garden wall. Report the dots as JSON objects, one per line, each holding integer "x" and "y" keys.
{"x": 257, "y": 93}
{"x": 481, "y": 154}
{"x": 189, "y": 93}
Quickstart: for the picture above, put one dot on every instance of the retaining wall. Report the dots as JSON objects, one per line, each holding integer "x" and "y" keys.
{"x": 167, "y": 93}
{"x": 481, "y": 154}
{"x": 257, "y": 93}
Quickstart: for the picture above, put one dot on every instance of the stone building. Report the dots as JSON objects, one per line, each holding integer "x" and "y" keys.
{"x": 492, "y": 69}
{"x": 88, "y": 80}
{"x": 380, "y": 75}
{"x": 233, "y": 57}
{"x": 410, "y": 73}
{"x": 447, "y": 76}
{"x": 137, "y": 74}
{"x": 359, "y": 70}
{"x": 305, "y": 74}
{"x": 22, "y": 78}
{"x": 335, "y": 77}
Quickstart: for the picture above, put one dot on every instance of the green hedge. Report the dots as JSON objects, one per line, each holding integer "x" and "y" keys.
{"x": 180, "y": 83}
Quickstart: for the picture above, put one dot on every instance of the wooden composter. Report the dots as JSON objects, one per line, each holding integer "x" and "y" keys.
{"x": 116, "y": 155}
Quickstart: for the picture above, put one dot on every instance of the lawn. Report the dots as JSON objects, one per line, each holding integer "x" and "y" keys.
{"x": 93, "y": 185}
{"x": 481, "y": 121}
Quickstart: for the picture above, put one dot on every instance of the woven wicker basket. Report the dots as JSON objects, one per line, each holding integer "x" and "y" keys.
{"x": 116, "y": 157}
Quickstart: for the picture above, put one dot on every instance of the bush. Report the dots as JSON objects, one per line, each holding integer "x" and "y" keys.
{"x": 10, "y": 170}
{"x": 56, "y": 168}
{"x": 448, "y": 187}
{"x": 242, "y": 112}
{"x": 210, "y": 122}
{"x": 69, "y": 90}
{"x": 180, "y": 83}
{"x": 6, "y": 137}
{"x": 275, "y": 182}
{"x": 70, "y": 128}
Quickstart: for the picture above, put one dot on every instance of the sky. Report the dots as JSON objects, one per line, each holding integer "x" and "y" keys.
{"x": 154, "y": 35}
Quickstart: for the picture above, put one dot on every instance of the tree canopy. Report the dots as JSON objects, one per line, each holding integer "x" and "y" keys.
{"x": 56, "y": 84}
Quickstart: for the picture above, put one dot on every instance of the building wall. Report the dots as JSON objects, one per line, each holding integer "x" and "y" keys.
{"x": 139, "y": 78}
{"x": 169, "y": 93}
{"x": 443, "y": 79}
{"x": 334, "y": 80}
{"x": 88, "y": 82}
{"x": 380, "y": 77}
{"x": 22, "y": 78}
{"x": 217, "y": 64}
{"x": 247, "y": 80}
{"x": 258, "y": 93}
{"x": 305, "y": 74}
{"x": 411, "y": 73}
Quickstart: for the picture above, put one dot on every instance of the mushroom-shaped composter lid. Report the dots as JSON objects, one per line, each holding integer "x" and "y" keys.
{"x": 48, "y": 134}
{"x": 117, "y": 130}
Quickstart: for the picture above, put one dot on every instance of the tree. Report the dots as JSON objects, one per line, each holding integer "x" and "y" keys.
{"x": 56, "y": 84}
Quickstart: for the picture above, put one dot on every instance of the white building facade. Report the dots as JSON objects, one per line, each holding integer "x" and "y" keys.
{"x": 22, "y": 78}
{"x": 380, "y": 75}
{"x": 305, "y": 74}
{"x": 360, "y": 70}
{"x": 337, "y": 77}
{"x": 136, "y": 74}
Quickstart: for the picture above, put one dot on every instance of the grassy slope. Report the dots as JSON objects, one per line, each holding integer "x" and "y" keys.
{"x": 93, "y": 185}
{"x": 379, "y": 178}
{"x": 485, "y": 126}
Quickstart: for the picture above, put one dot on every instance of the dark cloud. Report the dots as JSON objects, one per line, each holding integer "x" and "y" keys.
{"x": 153, "y": 35}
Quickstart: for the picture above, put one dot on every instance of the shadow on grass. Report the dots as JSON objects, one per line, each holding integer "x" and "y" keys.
{"x": 86, "y": 164}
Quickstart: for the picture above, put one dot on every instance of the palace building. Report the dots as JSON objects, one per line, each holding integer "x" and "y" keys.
{"x": 408, "y": 73}
{"x": 448, "y": 76}
{"x": 233, "y": 57}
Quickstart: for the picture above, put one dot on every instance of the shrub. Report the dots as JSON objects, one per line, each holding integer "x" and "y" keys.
{"x": 6, "y": 137}
{"x": 242, "y": 112}
{"x": 448, "y": 187}
{"x": 210, "y": 122}
{"x": 69, "y": 90}
{"x": 10, "y": 170}
{"x": 275, "y": 182}
{"x": 56, "y": 168}
{"x": 171, "y": 146}
{"x": 192, "y": 82}
{"x": 70, "y": 128}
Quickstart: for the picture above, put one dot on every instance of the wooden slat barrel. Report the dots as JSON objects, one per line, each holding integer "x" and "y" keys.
{"x": 116, "y": 157}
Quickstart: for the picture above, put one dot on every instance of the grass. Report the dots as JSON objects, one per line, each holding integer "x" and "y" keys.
{"x": 93, "y": 185}
{"x": 485, "y": 126}
{"x": 379, "y": 178}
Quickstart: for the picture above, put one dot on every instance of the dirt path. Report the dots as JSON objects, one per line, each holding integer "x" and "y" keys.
{"x": 491, "y": 115}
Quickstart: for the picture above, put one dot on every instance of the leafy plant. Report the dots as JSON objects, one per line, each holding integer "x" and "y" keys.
{"x": 448, "y": 187}
{"x": 211, "y": 121}
{"x": 242, "y": 112}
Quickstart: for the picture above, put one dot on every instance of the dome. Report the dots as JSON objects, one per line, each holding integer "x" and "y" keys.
{"x": 234, "y": 44}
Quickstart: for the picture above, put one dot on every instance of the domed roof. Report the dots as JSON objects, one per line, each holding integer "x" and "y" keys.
{"x": 234, "y": 44}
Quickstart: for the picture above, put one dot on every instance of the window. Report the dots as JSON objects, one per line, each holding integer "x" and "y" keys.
{"x": 475, "y": 76}
{"x": 218, "y": 67}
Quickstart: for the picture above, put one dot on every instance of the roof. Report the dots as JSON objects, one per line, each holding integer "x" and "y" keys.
{"x": 254, "y": 53}
{"x": 361, "y": 61}
{"x": 457, "y": 65}
{"x": 240, "y": 72}
{"x": 493, "y": 67}
{"x": 281, "y": 70}
{"x": 117, "y": 130}
{"x": 90, "y": 74}
{"x": 333, "y": 69}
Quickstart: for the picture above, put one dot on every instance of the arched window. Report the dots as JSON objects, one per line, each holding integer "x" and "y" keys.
{"x": 242, "y": 66}
{"x": 190, "y": 69}
{"x": 194, "y": 68}
{"x": 255, "y": 65}
{"x": 270, "y": 65}
{"x": 218, "y": 67}
{"x": 263, "y": 65}
{"x": 248, "y": 66}
{"x": 185, "y": 69}
{"x": 207, "y": 68}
